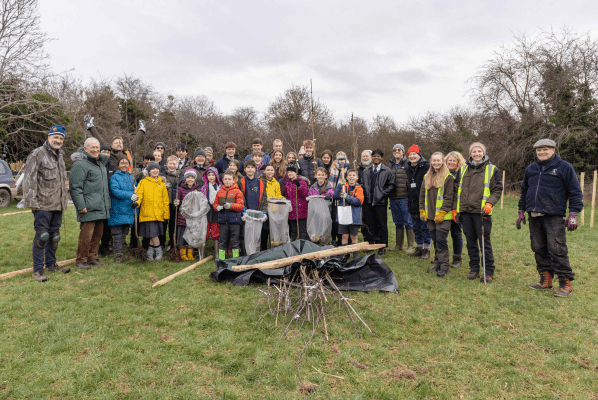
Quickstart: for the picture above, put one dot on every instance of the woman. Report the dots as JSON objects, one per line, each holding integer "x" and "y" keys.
{"x": 418, "y": 166}
{"x": 480, "y": 187}
{"x": 454, "y": 161}
{"x": 436, "y": 205}
{"x": 337, "y": 176}
{"x": 279, "y": 164}
{"x": 326, "y": 158}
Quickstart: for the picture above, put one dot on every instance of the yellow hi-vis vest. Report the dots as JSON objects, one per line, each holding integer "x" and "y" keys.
{"x": 487, "y": 176}
{"x": 439, "y": 201}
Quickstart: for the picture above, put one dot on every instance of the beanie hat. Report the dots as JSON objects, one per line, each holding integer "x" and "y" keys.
{"x": 57, "y": 130}
{"x": 477, "y": 144}
{"x": 209, "y": 149}
{"x": 399, "y": 146}
{"x": 414, "y": 149}
{"x": 152, "y": 165}
{"x": 160, "y": 144}
{"x": 105, "y": 147}
{"x": 190, "y": 172}
{"x": 545, "y": 143}
{"x": 199, "y": 152}
{"x": 292, "y": 167}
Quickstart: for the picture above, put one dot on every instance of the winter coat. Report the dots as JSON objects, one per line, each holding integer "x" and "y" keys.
{"x": 472, "y": 187}
{"x": 89, "y": 186}
{"x": 307, "y": 167}
{"x": 383, "y": 185}
{"x": 316, "y": 190}
{"x": 273, "y": 189}
{"x": 297, "y": 197}
{"x": 354, "y": 199}
{"x": 399, "y": 169}
{"x": 265, "y": 158}
{"x": 263, "y": 195}
{"x": 360, "y": 170}
{"x": 153, "y": 199}
{"x": 222, "y": 164}
{"x": 232, "y": 195}
{"x": 415, "y": 174}
{"x": 183, "y": 191}
{"x": 200, "y": 170}
{"x": 44, "y": 184}
{"x": 122, "y": 187}
{"x": 184, "y": 166}
{"x": 172, "y": 181}
{"x": 547, "y": 185}
{"x": 285, "y": 180}
{"x": 448, "y": 199}
{"x": 116, "y": 155}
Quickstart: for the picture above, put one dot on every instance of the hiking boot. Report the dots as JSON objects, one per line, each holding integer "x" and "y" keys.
{"x": 399, "y": 240}
{"x": 565, "y": 288}
{"x": 56, "y": 268}
{"x": 545, "y": 281}
{"x": 40, "y": 276}
{"x": 382, "y": 251}
{"x": 488, "y": 279}
{"x": 442, "y": 273}
{"x": 425, "y": 254}
{"x": 410, "y": 241}
{"x": 83, "y": 265}
{"x": 473, "y": 275}
{"x": 456, "y": 261}
{"x": 418, "y": 252}
{"x": 118, "y": 258}
{"x": 95, "y": 261}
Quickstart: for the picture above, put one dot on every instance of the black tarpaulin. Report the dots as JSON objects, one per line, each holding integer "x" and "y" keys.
{"x": 366, "y": 273}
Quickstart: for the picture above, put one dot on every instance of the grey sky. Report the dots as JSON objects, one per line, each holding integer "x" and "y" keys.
{"x": 374, "y": 57}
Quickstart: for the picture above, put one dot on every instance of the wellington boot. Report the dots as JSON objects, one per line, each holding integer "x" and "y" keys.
{"x": 456, "y": 261}
{"x": 222, "y": 254}
{"x": 417, "y": 252}
{"x": 183, "y": 253}
{"x": 410, "y": 241}
{"x": 425, "y": 254}
{"x": 190, "y": 256}
{"x": 399, "y": 240}
{"x": 545, "y": 281}
{"x": 236, "y": 253}
{"x": 565, "y": 288}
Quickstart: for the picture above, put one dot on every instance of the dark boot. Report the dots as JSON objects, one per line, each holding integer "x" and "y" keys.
{"x": 40, "y": 276}
{"x": 435, "y": 268}
{"x": 345, "y": 258}
{"x": 400, "y": 240}
{"x": 56, "y": 268}
{"x": 418, "y": 252}
{"x": 443, "y": 263}
{"x": 473, "y": 275}
{"x": 565, "y": 288}
{"x": 456, "y": 261}
{"x": 83, "y": 265}
{"x": 545, "y": 281}
{"x": 118, "y": 258}
{"x": 410, "y": 241}
{"x": 425, "y": 254}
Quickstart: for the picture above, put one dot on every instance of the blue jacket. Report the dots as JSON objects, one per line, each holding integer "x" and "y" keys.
{"x": 122, "y": 187}
{"x": 547, "y": 185}
{"x": 222, "y": 164}
{"x": 354, "y": 199}
{"x": 265, "y": 158}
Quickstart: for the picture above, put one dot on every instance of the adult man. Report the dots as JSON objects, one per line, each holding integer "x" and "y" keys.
{"x": 44, "y": 192}
{"x": 181, "y": 152}
{"x": 161, "y": 147}
{"x": 309, "y": 162}
{"x": 378, "y": 184}
{"x": 91, "y": 197}
{"x": 547, "y": 185}
{"x": 276, "y": 145}
{"x": 399, "y": 199}
{"x": 209, "y": 157}
{"x": 366, "y": 162}
{"x": 257, "y": 145}
{"x": 222, "y": 164}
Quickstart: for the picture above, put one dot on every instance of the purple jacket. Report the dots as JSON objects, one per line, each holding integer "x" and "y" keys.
{"x": 315, "y": 191}
{"x": 184, "y": 191}
{"x": 297, "y": 197}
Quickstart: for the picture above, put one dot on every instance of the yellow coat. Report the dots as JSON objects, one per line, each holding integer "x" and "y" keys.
{"x": 153, "y": 199}
{"x": 273, "y": 189}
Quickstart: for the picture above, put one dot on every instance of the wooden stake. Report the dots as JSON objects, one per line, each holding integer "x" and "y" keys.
{"x": 30, "y": 270}
{"x": 181, "y": 272}
{"x": 14, "y": 213}
{"x": 593, "y": 200}
{"x": 582, "y": 214}
{"x": 502, "y": 196}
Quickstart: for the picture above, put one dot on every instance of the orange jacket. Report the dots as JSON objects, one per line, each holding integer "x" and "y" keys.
{"x": 232, "y": 195}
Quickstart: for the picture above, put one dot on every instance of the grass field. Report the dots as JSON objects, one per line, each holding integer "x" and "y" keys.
{"x": 105, "y": 333}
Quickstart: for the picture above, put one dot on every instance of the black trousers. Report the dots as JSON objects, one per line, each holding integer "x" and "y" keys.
{"x": 376, "y": 218}
{"x": 472, "y": 227}
{"x": 169, "y": 226}
{"x": 264, "y": 236}
{"x": 367, "y": 221}
{"x": 106, "y": 235}
{"x": 549, "y": 243}
{"x": 439, "y": 234}
{"x": 301, "y": 233}
{"x": 230, "y": 235}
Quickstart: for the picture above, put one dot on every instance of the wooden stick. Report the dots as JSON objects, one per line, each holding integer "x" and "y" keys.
{"x": 30, "y": 270}
{"x": 593, "y": 200}
{"x": 337, "y": 251}
{"x": 324, "y": 373}
{"x": 181, "y": 272}
{"x": 502, "y": 196}
{"x": 582, "y": 214}
{"x": 13, "y": 213}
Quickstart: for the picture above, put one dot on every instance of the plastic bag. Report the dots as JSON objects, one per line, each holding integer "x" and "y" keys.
{"x": 195, "y": 208}
{"x": 278, "y": 214}
{"x": 319, "y": 222}
{"x": 21, "y": 204}
{"x": 253, "y": 230}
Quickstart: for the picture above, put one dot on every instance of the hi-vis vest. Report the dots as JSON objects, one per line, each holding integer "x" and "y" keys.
{"x": 439, "y": 201}
{"x": 130, "y": 158}
{"x": 489, "y": 172}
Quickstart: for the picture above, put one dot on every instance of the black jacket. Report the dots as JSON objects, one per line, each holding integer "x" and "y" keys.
{"x": 416, "y": 174}
{"x": 377, "y": 188}
{"x": 360, "y": 169}
{"x": 306, "y": 167}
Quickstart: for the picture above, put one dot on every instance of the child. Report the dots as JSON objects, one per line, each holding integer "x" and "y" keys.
{"x": 350, "y": 194}
{"x": 153, "y": 199}
{"x": 234, "y": 166}
{"x": 259, "y": 166}
{"x": 296, "y": 191}
{"x": 211, "y": 186}
{"x": 122, "y": 215}
{"x": 279, "y": 164}
{"x": 436, "y": 205}
{"x": 229, "y": 204}
{"x": 272, "y": 185}
{"x": 188, "y": 186}
{"x": 171, "y": 177}
{"x": 321, "y": 187}
{"x": 254, "y": 193}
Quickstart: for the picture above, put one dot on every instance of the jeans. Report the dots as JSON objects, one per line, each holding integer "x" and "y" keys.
{"x": 472, "y": 227}
{"x": 420, "y": 229}
{"x": 549, "y": 243}
{"x": 45, "y": 221}
{"x": 89, "y": 240}
{"x": 399, "y": 208}
{"x": 457, "y": 237}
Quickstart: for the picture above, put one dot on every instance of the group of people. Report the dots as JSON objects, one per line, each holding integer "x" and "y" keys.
{"x": 428, "y": 200}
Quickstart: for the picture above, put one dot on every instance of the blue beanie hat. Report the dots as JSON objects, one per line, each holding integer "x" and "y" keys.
{"x": 57, "y": 130}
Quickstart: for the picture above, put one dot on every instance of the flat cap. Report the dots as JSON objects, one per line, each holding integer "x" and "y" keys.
{"x": 545, "y": 143}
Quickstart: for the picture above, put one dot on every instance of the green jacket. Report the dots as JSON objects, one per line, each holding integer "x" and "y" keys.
{"x": 89, "y": 186}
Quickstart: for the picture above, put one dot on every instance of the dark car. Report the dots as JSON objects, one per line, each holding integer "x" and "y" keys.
{"x": 7, "y": 182}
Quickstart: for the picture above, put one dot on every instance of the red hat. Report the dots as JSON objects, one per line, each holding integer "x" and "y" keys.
{"x": 414, "y": 149}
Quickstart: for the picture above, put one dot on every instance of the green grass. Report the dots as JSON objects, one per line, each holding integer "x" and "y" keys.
{"x": 105, "y": 333}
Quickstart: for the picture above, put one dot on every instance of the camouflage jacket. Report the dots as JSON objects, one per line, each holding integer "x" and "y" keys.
{"x": 44, "y": 185}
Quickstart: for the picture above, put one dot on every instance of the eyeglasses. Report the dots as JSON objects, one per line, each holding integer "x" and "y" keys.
{"x": 395, "y": 150}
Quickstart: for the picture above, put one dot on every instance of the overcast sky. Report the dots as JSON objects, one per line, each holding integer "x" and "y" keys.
{"x": 368, "y": 57}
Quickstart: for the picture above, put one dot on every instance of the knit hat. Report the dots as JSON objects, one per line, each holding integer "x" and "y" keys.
{"x": 190, "y": 172}
{"x": 414, "y": 149}
{"x": 199, "y": 152}
{"x": 379, "y": 152}
{"x": 152, "y": 165}
{"x": 292, "y": 167}
{"x": 477, "y": 144}
{"x": 399, "y": 146}
{"x": 545, "y": 143}
{"x": 105, "y": 147}
{"x": 57, "y": 130}
{"x": 160, "y": 144}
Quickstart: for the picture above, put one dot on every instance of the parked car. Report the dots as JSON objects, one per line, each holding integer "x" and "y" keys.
{"x": 7, "y": 183}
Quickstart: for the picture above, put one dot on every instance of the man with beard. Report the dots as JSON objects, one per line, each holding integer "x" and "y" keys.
{"x": 366, "y": 162}
{"x": 44, "y": 192}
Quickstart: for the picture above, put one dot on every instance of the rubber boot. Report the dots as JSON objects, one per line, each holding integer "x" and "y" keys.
{"x": 410, "y": 241}
{"x": 425, "y": 254}
{"x": 565, "y": 288}
{"x": 150, "y": 253}
{"x": 419, "y": 250}
{"x": 159, "y": 253}
{"x": 456, "y": 261}
{"x": 399, "y": 240}
{"x": 215, "y": 248}
{"x": 545, "y": 281}
{"x": 443, "y": 263}
{"x": 222, "y": 254}
{"x": 190, "y": 255}
{"x": 236, "y": 253}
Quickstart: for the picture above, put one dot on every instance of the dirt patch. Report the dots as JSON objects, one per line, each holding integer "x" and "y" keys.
{"x": 165, "y": 338}
{"x": 403, "y": 372}
{"x": 358, "y": 364}
{"x": 308, "y": 387}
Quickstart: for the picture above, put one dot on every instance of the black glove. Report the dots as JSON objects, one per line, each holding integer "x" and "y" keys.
{"x": 328, "y": 197}
{"x": 134, "y": 204}
{"x": 297, "y": 183}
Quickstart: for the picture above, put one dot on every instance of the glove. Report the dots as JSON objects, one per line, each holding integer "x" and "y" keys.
{"x": 219, "y": 208}
{"x": 328, "y": 197}
{"x": 142, "y": 126}
{"x": 227, "y": 206}
{"x": 177, "y": 202}
{"x": 88, "y": 119}
{"x": 440, "y": 217}
{"x": 521, "y": 219}
{"x": 572, "y": 223}
{"x": 487, "y": 208}
{"x": 297, "y": 183}
{"x": 265, "y": 213}
{"x": 344, "y": 195}
{"x": 134, "y": 197}
{"x": 422, "y": 215}
{"x": 455, "y": 216}
{"x": 134, "y": 204}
